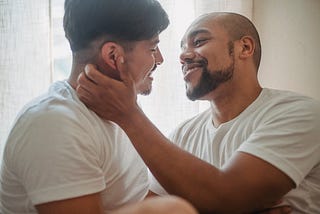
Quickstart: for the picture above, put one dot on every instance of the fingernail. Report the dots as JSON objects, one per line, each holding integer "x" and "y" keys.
{"x": 86, "y": 68}
{"x": 121, "y": 59}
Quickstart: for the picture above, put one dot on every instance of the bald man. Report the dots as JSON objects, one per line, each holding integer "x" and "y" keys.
{"x": 252, "y": 147}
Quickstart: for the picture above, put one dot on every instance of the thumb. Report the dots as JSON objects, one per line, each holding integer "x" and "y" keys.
{"x": 92, "y": 73}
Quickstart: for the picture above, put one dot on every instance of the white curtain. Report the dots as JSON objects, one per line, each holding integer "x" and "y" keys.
{"x": 25, "y": 69}
{"x": 26, "y": 57}
{"x": 167, "y": 106}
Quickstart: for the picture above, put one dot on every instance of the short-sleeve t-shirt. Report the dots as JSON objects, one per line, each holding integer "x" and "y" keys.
{"x": 59, "y": 149}
{"x": 280, "y": 127}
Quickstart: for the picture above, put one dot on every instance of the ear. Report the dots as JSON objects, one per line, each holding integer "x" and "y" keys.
{"x": 247, "y": 47}
{"x": 110, "y": 52}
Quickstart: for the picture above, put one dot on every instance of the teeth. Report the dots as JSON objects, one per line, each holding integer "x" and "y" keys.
{"x": 191, "y": 70}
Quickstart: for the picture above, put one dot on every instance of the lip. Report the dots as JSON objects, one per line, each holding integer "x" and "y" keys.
{"x": 188, "y": 69}
{"x": 149, "y": 75}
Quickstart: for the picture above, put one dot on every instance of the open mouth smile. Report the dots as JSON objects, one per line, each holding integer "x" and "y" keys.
{"x": 188, "y": 69}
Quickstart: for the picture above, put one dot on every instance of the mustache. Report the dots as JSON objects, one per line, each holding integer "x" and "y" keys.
{"x": 201, "y": 61}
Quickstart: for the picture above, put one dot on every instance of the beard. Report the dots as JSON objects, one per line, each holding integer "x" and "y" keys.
{"x": 145, "y": 87}
{"x": 210, "y": 80}
{"x": 146, "y": 92}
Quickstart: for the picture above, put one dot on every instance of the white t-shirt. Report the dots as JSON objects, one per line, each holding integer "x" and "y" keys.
{"x": 59, "y": 149}
{"x": 280, "y": 127}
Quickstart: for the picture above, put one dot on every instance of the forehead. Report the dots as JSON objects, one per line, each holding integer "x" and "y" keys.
{"x": 204, "y": 26}
{"x": 148, "y": 42}
{"x": 136, "y": 46}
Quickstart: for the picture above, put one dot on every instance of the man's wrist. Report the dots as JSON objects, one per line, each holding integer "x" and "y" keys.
{"x": 127, "y": 121}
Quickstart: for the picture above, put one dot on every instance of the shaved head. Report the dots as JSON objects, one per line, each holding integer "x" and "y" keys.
{"x": 237, "y": 26}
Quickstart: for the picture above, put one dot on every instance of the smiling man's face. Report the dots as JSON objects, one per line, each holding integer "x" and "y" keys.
{"x": 207, "y": 58}
{"x": 142, "y": 61}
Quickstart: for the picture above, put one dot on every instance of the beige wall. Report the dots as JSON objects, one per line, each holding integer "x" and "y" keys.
{"x": 290, "y": 37}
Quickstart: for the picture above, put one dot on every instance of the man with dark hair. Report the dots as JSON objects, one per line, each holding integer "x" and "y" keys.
{"x": 60, "y": 157}
{"x": 252, "y": 147}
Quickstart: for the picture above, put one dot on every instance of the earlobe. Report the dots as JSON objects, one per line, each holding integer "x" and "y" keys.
{"x": 110, "y": 52}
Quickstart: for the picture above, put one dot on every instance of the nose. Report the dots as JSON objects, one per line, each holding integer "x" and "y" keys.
{"x": 186, "y": 55}
{"x": 158, "y": 57}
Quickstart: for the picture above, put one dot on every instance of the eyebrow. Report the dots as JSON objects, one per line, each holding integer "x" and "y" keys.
{"x": 195, "y": 33}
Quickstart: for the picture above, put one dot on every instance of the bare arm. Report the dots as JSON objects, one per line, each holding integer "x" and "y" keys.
{"x": 91, "y": 204}
{"x": 244, "y": 184}
{"x": 158, "y": 205}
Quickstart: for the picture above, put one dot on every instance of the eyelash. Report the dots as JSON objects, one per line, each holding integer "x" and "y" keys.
{"x": 154, "y": 50}
{"x": 197, "y": 42}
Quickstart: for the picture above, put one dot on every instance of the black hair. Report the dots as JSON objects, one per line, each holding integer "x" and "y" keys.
{"x": 123, "y": 20}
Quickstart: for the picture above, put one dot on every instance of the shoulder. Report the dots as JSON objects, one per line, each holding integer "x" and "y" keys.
{"x": 284, "y": 116}
{"x": 58, "y": 105}
{"x": 51, "y": 120}
{"x": 285, "y": 98}
{"x": 279, "y": 103}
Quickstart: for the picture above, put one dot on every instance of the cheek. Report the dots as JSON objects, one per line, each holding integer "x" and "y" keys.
{"x": 218, "y": 62}
{"x": 140, "y": 70}
{"x": 146, "y": 65}
{"x": 140, "y": 64}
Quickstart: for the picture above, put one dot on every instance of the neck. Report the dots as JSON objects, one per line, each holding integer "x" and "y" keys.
{"x": 76, "y": 69}
{"x": 228, "y": 101}
{"x": 79, "y": 65}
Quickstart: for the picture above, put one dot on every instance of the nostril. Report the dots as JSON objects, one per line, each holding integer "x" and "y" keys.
{"x": 187, "y": 55}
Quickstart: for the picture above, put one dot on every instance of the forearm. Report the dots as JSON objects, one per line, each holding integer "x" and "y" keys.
{"x": 179, "y": 172}
{"x": 158, "y": 205}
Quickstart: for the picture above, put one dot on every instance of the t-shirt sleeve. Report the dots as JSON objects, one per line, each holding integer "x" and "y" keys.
{"x": 57, "y": 158}
{"x": 288, "y": 139}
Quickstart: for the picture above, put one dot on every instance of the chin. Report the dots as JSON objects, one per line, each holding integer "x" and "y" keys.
{"x": 146, "y": 92}
{"x": 145, "y": 88}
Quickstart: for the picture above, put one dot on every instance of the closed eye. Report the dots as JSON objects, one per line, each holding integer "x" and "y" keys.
{"x": 199, "y": 42}
{"x": 154, "y": 50}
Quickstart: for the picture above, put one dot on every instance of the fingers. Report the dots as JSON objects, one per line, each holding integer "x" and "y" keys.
{"x": 93, "y": 82}
{"x": 83, "y": 94}
{"x": 84, "y": 82}
{"x": 93, "y": 74}
{"x": 86, "y": 88}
